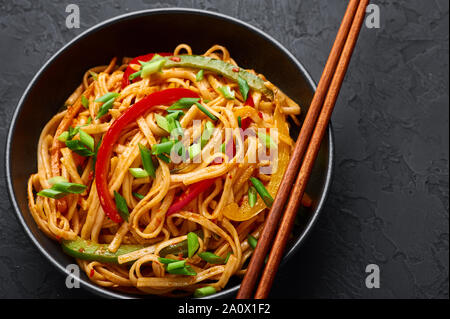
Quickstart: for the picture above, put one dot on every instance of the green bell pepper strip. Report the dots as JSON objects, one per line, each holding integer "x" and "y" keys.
{"x": 87, "y": 250}
{"x": 220, "y": 67}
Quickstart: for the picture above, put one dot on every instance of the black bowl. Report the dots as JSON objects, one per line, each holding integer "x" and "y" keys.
{"x": 135, "y": 34}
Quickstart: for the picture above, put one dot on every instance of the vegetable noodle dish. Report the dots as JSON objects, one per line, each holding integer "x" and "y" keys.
{"x": 160, "y": 170}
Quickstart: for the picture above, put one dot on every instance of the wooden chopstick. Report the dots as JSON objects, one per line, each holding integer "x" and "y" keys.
{"x": 334, "y": 72}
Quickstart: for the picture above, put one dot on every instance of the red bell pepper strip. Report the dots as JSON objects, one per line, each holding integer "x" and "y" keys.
{"x": 164, "y": 97}
{"x": 191, "y": 193}
{"x": 143, "y": 58}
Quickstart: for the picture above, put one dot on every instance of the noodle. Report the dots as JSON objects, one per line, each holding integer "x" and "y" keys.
{"x": 149, "y": 199}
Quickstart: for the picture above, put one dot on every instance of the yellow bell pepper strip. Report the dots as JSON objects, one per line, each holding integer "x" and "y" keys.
{"x": 245, "y": 212}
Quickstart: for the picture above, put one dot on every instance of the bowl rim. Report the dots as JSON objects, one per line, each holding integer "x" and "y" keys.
{"x": 109, "y": 293}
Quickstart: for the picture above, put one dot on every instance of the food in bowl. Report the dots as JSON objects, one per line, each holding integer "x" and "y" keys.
{"x": 158, "y": 175}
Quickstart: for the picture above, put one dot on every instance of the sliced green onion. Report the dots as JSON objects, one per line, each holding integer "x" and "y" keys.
{"x": 147, "y": 162}
{"x": 199, "y": 76}
{"x": 239, "y": 119}
{"x": 223, "y": 148}
{"x": 94, "y": 75}
{"x": 204, "y": 110}
{"x": 87, "y": 140}
{"x": 164, "y": 158}
{"x": 226, "y": 92}
{"x": 69, "y": 188}
{"x": 57, "y": 179}
{"x": 63, "y": 137}
{"x": 105, "y": 108}
{"x": 193, "y": 245}
{"x": 252, "y": 241}
{"x": 204, "y": 291}
{"x": 138, "y": 172}
{"x": 267, "y": 140}
{"x": 187, "y": 271}
{"x": 73, "y": 132}
{"x": 166, "y": 260}
{"x": 152, "y": 67}
{"x": 94, "y": 157}
{"x": 134, "y": 75}
{"x": 162, "y": 122}
{"x": 84, "y": 102}
{"x": 122, "y": 207}
{"x": 108, "y": 96}
{"x": 178, "y": 130}
{"x": 175, "y": 114}
{"x": 207, "y": 133}
{"x": 243, "y": 87}
{"x": 228, "y": 257}
{"x": 252, "y": 196}
{"x": 89, "y": 120}
{"x": 262, "y": 191}
{"x": 138, "y": 196}
{"x": 176, "y": 265}
{"x": 206, "y": 101}
{"x": 51, "y": 193}
{"x": 211, "y": 258}
{"x": 162, "y": 147}
{"x": 183, "y": 103}
{"x": 78, "y": 147}
{"x": 194, "y": 150}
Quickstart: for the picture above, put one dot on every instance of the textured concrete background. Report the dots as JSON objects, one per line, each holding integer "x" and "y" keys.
{"x": 389, "y": 200}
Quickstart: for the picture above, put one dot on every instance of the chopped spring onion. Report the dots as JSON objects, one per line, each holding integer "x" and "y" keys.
{"x": 78, "y": 147}
{"x": 199, "y": 76}
{"x": 267, "y": 140}
{"x": 94, "y": 75}
{"x": 193, "y": 245}
{"x": 162, "y": 148}
{"x": 87, "y": 140}
{"x": 227, "y": 257}
{"x": 147, "y": 162}
{"x": 252, "y": 196}
{"x": 162, "y": 122}
{"x": 252, "y": 241}
{"x": 186, "y": 270}
{"x": 138, "y": 196}
{"x": 138, "y": 172}
{"x": 56, "y": 179}
{"x": 51, "y": 193}
{"x": 166, "y": 260}
{"x": 204, "y": 291}
{"x": 204, "y": 110}
{"x": 183, "y": 103}
{"x": 194, "y": 150}
{"x": 211, "y": 258}
{"x": 243, "y": 87}
{"x": 60, "y": 188}
{"x": 69, "y": 188}
{"x": 239, "y": 119}
{"x": 108, "y": 96}
{"x": 175, "y": 114}
{"x": 164, "y": 158}
{"x": 64, "y": 136}
{"x": 226, "y": 92}
{"x": 84, "y": 102}
{"x": 152, "y": 67}
{"x": 134, "y": 75}
{"x": 262, "y": 191}
{"x": 176, "y": 265}
{"x": 207, "y": 133}
{"x": 122, "y": 207}
{"x": 105, "y": 108}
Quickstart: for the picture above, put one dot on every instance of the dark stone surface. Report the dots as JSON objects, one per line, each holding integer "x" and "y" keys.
{"x": 389, "y": 200}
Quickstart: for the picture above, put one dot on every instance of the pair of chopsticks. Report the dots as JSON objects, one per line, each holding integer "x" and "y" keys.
{"x": 312, "y": 131}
